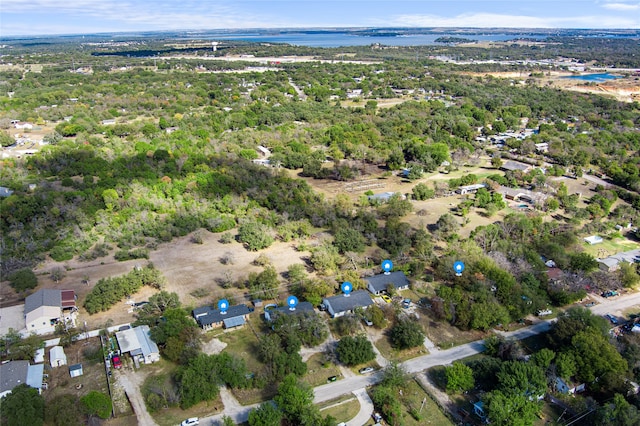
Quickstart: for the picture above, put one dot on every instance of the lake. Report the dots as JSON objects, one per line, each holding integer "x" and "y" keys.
{"x": 339, "y": 39}
{"x": 596, "y": 78}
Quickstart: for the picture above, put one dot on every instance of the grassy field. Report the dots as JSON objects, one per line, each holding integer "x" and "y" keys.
{"x": 610, "y": 246}
{"x": 174, "y": 415}
{"x": 384, "y": 346}
{"x": 425, "y": 411}
{"x": 243, "y": 343}
{"x": 318, "y": 371}
{"x": 342, "y": 409}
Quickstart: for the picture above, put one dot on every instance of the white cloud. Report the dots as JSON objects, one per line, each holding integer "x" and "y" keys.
{"x": 623, "y": 7}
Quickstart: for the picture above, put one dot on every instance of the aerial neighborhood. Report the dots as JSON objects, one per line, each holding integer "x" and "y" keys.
{"x": 263, "y": 232}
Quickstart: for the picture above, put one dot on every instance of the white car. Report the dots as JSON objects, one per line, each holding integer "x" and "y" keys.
{"x": 366, "y": 370}
{"x": 190, "y": 422}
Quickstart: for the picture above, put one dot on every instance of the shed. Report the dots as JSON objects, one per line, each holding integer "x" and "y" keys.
{"x": 75, "y": 370}
{"x": 57, "y": 357}
{"x": 39, "y": 356}
{"x": 593, "y": 239}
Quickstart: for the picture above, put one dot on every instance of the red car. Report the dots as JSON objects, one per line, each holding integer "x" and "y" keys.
{"x": 117, "y": 363}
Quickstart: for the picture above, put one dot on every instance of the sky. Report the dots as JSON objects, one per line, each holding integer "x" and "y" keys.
{"x": 40, "y": 17}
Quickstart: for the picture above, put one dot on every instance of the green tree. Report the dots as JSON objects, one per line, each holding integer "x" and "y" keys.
{"x": 6, "y": 139}
{"x": 349, "y": 239}
{"x": 422, "y": 192}
{"x": 23, "y": 280}
{"x": 355, "y": 350}
{"x": 459, "y": 378}
{"x": 97, "y": 404}
{"x": 543, "y": 358}
{"x": 64, "y": 410}
{"x": 522, "y": 378}
{"x": 267, "y": 414}
{"x": 23, "y": 406}
{"x": 511, "y": 409}
{"x": 595, "y": 356}
{"x": 386, "y": 400}
{"x": 394, "y": 375}
{"x": 618, "y": 412}
{"x": 295, "y": 400}
{"x": 446, "y": 225}
{"x": 255, "y": 236}
{"x": 406, "y": 334}
{"x": 582, "y": 262}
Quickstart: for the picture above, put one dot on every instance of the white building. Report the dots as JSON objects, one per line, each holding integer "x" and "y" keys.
{"x": 57, "y": 357}
{"x": 137, "y": 341}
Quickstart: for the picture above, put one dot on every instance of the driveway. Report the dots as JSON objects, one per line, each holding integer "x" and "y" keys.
{"x": 132, "y": 381}
{"x": 366, "y": 408}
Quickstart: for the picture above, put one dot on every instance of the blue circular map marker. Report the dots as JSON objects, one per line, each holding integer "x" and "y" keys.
{"x": 347, "y": 288}
{"x": 458, "y": 267}
{"x": 223, "y": 305}
{"x": 292, "y": 301}
{"x": 387, "y": 266}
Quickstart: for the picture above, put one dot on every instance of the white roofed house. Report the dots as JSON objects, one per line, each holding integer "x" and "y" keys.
{"x": 46, "y": 308}
{"x": 137, "y": 342}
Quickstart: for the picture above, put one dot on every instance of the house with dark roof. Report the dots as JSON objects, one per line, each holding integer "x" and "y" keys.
{"x": 207, "y": 317}
{"x": 274, "y": 312}
{"x": 45, "y": 308}
{"x": 341, "y": 304}
{"x": 137, "y": 341}
{"x": 378, "y": 284}
{"x": 15, "y": 373}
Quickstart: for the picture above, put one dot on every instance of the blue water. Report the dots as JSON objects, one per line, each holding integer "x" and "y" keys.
{"x": 339, "y": 39}
{"x": 597, "y": 78}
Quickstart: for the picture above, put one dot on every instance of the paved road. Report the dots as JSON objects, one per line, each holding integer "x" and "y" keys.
{"x": 445, "y": 357}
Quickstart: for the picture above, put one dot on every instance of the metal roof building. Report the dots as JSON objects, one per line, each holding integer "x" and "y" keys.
{"x": 137, "y": 341}
{"x": 15, "y": 373}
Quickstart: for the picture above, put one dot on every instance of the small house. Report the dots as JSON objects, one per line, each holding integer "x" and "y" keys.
{"x": 341, "y": 304}
{"x": 271, "y": 314}
{"x": 108, "y": 122}
{"x": 57, "y": 357}
{"x": 470, "y": 189}
{"x": 137, "y": 342}
{"x": 39, "y": 356}
{"x": 612, "y": 263}
{"x": 15, "y": 373}
{"x": 45, "y": 308}
{"x": 208, "y": 318}
{"x": 568, "y": 386}
{"x": 75, "y": 370}
{"x": 378, "y": 284}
